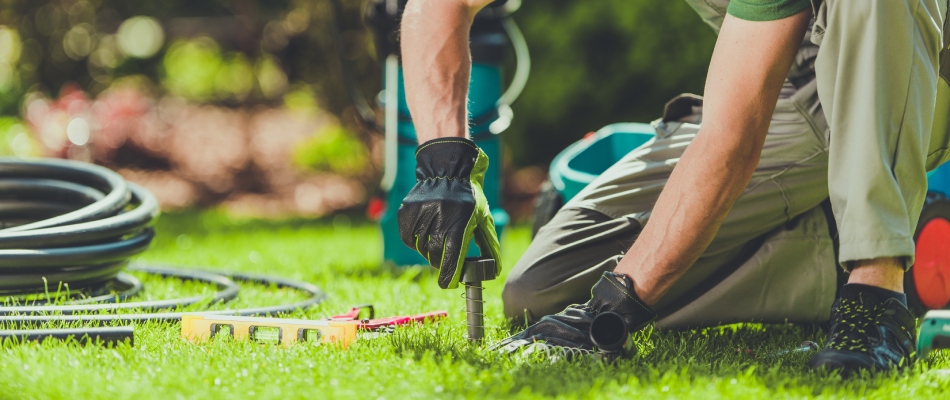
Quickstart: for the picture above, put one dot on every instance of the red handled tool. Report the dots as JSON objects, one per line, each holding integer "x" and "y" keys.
{"x": 371, "y": 323}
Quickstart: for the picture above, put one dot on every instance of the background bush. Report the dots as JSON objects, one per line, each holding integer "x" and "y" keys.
{"x": 600, "y": 62}
{"x": 594, "y": 62}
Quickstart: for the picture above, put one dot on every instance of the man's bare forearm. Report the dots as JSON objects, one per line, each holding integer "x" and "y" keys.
{"x": 437, "y": 64}
{"x": 745, "y": 76}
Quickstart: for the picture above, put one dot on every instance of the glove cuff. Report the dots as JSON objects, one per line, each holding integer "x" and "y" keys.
{"x": 450, "y": 157}
{"x": 447, "y": 141}
{"x": 611, "y": 295}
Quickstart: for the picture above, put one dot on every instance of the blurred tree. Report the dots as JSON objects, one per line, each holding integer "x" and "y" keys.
{"x": 95, "y": 42}
{"x": 594, "y": 63}
{"x": 600, "y": 62}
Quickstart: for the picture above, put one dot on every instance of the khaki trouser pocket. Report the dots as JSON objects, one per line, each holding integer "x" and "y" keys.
{"x": 940, "y": 137}
{"x": 939, "y": 152}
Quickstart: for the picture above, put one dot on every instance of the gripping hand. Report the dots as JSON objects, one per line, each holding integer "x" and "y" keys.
{"x": 569, "y": 331}
{"x": 447, "y": 207}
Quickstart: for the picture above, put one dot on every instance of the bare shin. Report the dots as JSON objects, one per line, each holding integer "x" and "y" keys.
{"x": 886, "y": 273}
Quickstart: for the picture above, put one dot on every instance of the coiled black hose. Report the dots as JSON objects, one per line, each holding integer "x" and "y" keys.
{"x": 68, "y": 222}
{"x": 77, "y": 224}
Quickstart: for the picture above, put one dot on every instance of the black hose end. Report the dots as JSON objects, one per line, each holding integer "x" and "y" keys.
{"x": 608, "y": 332}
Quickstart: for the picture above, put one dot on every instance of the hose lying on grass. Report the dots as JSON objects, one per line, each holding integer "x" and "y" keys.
{"x": 75, "y": 225}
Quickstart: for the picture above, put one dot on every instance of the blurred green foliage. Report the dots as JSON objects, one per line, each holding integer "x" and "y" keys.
{"x": 218, "y": 51}
{"x": 190, "y": 68}
{"x": 199, "y": 70}
{"x": 14, "y": 139}
{"x": 600, "y": 62}
{"x": 594, "y": 63}
{"x": 334, "y": 150}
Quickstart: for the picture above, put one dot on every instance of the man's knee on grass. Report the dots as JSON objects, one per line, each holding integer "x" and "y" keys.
{"x": 520, "y": 301}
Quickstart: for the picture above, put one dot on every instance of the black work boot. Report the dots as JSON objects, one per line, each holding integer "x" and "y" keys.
{"x": 868, "y": 332}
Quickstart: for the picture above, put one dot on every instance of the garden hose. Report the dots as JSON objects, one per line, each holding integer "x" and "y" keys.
{"x": 227, "y": 291}
{"x": 67, "y": 224}
{"x": 108, "y": 336}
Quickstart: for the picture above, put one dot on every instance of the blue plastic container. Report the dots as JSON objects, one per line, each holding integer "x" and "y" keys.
{"x": 938, "y": 180}
{"x": 484, "y": 92}
{"x": 581, "y": 162}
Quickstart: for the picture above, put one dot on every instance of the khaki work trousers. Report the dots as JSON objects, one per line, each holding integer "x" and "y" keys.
{"x": 865, "y": 146}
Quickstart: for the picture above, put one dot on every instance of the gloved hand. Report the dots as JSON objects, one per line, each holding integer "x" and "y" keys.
{"x": 569, "y": 330}
{"x": 447, "y": 207}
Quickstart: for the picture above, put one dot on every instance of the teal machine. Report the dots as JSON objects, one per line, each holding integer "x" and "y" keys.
{"x": 492, "y": 33}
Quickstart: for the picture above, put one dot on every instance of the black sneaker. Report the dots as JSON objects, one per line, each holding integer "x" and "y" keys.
{"x": 868, "y": 334}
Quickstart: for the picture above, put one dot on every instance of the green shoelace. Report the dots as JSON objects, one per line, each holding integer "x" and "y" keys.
{"x": 854, "y": 324}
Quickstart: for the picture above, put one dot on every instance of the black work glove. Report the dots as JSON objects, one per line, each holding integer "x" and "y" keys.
{"x": 569, "y": 330}
{"x": 447, "y": 207}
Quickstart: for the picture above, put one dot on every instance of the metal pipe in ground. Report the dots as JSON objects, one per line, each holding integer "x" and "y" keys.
{"x": 474, "y": 272}
{"x": 474, "y": 312}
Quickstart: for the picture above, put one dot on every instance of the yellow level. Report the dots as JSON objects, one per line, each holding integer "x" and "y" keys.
{"x": 195, "y": 327}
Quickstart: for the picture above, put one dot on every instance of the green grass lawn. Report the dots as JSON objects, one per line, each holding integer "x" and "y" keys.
{"x": 417, "y": 362}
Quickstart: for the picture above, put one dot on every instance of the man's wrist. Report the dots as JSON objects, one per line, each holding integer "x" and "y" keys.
{"x": 462, "y": 143}
{"x": 615, "y": 293}
{"x": 641, "y": 291}
{"x": 425, "y": 138}
{"x": 447, "y": 157}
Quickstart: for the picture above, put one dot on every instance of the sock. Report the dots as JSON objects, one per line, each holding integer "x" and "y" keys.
{"x": 853, "y": 291}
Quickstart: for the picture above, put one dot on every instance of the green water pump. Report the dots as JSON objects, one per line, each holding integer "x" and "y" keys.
{"x": 934, "y": 332}
{"x": 492, "y": 33}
